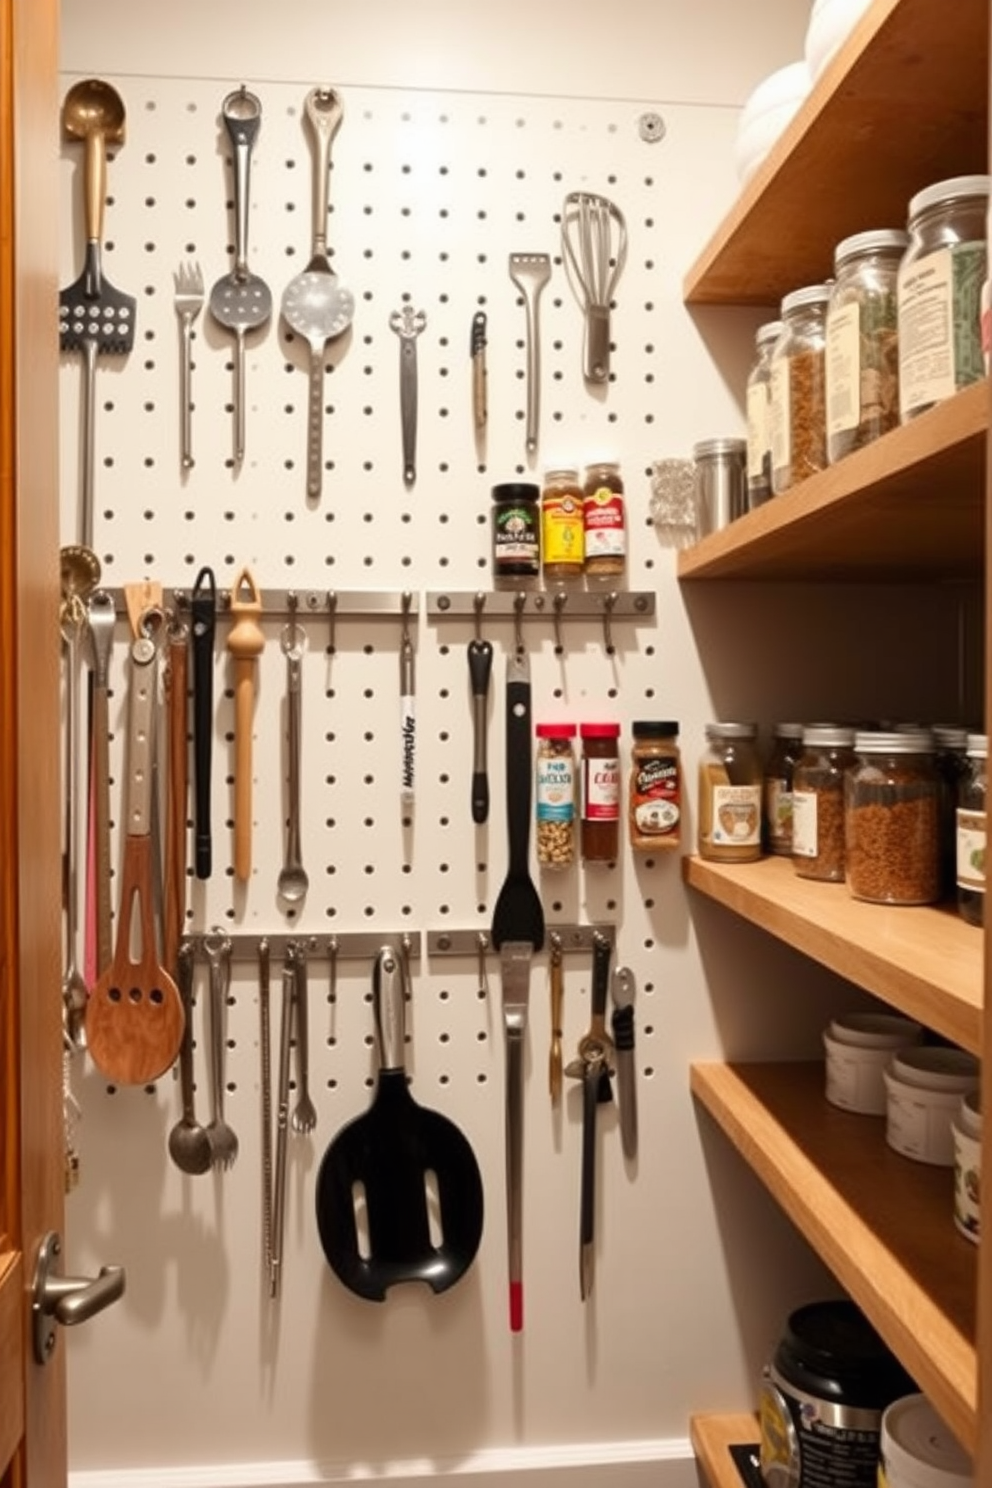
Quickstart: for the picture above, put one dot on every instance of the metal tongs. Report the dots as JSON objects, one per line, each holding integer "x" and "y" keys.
{"x": 594, "y": 248}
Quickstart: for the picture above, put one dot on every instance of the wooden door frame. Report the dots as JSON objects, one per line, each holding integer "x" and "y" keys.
{"x": 30, "y": 846}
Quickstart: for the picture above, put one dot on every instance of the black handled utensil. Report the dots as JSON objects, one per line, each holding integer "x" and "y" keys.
{"x": 480, "y": 665}
{"x": 517, "y": 932}
{"x": 622, "y": 1022}
{"x": 384, "y": 1161}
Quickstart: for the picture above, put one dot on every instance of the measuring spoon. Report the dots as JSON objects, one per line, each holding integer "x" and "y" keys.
{"x": 314, "y": 304}
{"x": 293, "y": 881}
{"x": 241, "y": 301}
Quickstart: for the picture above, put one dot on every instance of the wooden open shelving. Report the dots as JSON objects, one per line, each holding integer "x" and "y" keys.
{"x": 904, "y": 103}
{"x": 712, "y": 1437}
{"x": 925, "y": 962}
{"x": 882, "y": 1223}
{"x": 910, "y": 505}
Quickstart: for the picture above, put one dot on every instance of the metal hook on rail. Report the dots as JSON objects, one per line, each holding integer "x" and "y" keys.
{"x": 559, "y": 604}
{"x": 609, "y": 600}
{"x": 519, "y": 600}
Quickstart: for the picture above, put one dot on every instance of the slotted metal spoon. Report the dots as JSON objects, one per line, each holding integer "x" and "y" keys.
{"x": 315, "y": 304}
{"x": 241, "y": 301}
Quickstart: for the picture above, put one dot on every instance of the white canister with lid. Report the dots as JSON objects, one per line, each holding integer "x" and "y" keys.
{"x": 924, "y": 1087}
{"x": 916, "y": 1450}
{"x": 968, "y": 1165}
{"x": 858, "y": 1048}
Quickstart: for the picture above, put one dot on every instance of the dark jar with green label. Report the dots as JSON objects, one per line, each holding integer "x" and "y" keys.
{"x": 516, "y": 530}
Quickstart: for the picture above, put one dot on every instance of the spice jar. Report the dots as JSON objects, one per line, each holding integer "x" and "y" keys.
{"x": 776, "y": 790}
{"x": 562, "y": 525}
{"x": 818, "y": 802}
{"x": 720, "y": 479}
{"x": 654, "y": 802}
{"x": 600, "y": 792}
{"x": 604, "y": 521}
{"x": 555, "y": 795}
{"x": 891, "y": 819}
{"x": 939, "y": 293}
{"x": 758, "y": 402}
{"x": 730, "y": 794}
{"x": 862, "y": 357}
{"x": 950, "y": 743}
{"x": 798, "y": 402}
{"x": 516, "y": 536}
{"x": 971, "y": 832}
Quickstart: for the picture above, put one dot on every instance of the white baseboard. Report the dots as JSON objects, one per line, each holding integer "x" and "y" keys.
{"x": 667, "y": 1463}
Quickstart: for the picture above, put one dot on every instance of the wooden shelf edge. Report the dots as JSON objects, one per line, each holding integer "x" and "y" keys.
{"x": 925, "y": 962}
{"x": 712, "y": 1436}
{"x": 781, "y": 534}
{"x": 882, "y": 1282}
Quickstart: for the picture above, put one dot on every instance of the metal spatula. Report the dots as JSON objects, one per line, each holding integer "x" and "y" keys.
{"x": 94, "y": 317}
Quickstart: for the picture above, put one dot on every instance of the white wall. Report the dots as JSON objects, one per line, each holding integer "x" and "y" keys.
{"x": 196, "y": 1371}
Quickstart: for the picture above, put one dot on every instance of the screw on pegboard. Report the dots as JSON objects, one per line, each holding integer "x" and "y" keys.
{"x": 651, "y": 128}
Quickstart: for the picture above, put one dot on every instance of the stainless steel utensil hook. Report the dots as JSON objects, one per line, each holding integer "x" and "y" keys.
{"x": 332, "y": 610}
{"x": 609, "y": 600}
{"x": 519, "y": 600}
{"x": 478, "y": 605}
{"x": 406, "y": 603}
{"x": 293, "y": 638}
{"x": 558, "y": 605}
{"x": 482, "y": 947}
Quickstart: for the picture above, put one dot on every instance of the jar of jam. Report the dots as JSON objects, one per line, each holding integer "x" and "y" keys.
{"x": 730, "y": 794}
{"x": 555, "y": 795}
{"x": 604, "y": 521}
{"x": 655, "y": 796}
{"x": 562, "y": 525}
{"x": 600, "y": 792}
{"x": 516, "y": 531}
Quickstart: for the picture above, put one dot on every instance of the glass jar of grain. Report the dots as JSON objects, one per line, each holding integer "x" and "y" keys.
{"x": 892, "y": 819}
{"x": 818, "y": 802}
{"x": 798, "y": 384}
{"x": 862, "y": 366}
{"x": 940, "y": 291}
{"x": 971, "y": 832}
{"x": 730, "y": 794}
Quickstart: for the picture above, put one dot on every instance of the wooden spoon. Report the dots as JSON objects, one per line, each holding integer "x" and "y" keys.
{"x": 135, "y": 1018}
{"x": 245, "y": 642}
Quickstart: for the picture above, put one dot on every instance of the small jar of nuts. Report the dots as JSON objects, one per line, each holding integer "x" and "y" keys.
{"x": 818, "y": 802}
{"x": 555, "y": 795}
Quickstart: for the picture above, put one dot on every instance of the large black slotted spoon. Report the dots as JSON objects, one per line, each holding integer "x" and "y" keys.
{"x": 385, "y": 1163}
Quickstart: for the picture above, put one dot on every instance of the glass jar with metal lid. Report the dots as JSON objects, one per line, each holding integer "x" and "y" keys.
{"x": 798, "y": 383}
{"x": 971, "y": 832}
{"x": 818, "y": 801}
{"x": 939, "y": 293}
{"x": 759, "y": 399}
{"x": 730, "y": 794}
{"x": 776, "y": 792}
{"x": 950, "y": 744}
{"x": 862, "y": 366}
{"x": 892, "y": 818}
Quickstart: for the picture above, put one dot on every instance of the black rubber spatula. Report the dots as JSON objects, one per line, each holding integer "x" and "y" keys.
{"x": 383, "y": 1164}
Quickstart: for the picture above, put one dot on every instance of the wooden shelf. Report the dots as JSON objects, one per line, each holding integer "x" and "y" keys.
{"x": 925, "y": 962}
{"x": 911, "y": 505}
{"x": 882, "y": 1223}
{"x": 903, "y": 104}
{"x": 712, "y": 1437}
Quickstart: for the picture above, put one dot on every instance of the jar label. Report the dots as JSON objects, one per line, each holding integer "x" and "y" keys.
{"x": 515, "y": 537}
{"x": 804, "y": 833}
{"x": 736, "y": 815}
{"x": 555, "y": 793}
{"x": 940, "y": 345}
{"x": 562, "y": 529}
{"x": 807, "y": 1441}
{"x": 971, "y": 850}
{"x": 843, "y": 370}
{"x": 603, "y": 523}
{"x": 601, "y": 790}
{"x": 779, "y": 415}
{"x": 655, "y": 790}
{"x": 778, "y": 815}
{"x": 758, "y": 429}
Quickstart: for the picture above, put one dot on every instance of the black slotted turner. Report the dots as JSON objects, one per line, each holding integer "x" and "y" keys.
{"x": 94, "y": 317}
{"x": 385, "y": 1160}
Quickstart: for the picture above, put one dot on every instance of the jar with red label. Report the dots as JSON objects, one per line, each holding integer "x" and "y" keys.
{"x": 604, "y": 521}
{"x": 562, "y": 530}
{"x": 655, "y": 797}
{"x": 600, "y": 792}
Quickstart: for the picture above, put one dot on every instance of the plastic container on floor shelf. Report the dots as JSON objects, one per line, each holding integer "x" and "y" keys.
{"x": 967, "y": 1133}
{"x": 892, "y": 818}
{"x": 729, "y": 828}
{"x": 858, "y": 1049}
{"x": 759, "y": 415}
{"x": 916, "y": 1450}
{"x": 798, "y": 406}
{"x": 822, "y": 1399}
{"x": 862, "y": 357}
{"x": 776, "y": 799}
{"x": 940, "y": 292}
{"x": 970, "y": 832}
{"x": 818, "y": 802}
{"x": 924, "y": 1088}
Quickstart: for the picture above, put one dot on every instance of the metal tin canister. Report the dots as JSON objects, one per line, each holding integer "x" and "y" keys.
{"x": 822, "y": 1399}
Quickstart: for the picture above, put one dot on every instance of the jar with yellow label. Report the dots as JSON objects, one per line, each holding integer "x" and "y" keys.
{"x": 562, "y": 525}
{"x": 604, "y": 521}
